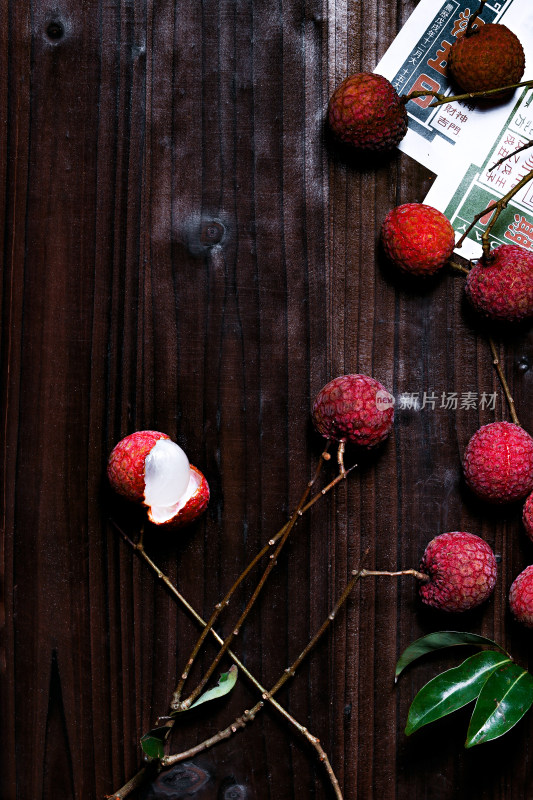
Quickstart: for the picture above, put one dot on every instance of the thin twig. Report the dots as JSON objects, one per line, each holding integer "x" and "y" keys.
{"x": 495, "y": 209}
{"x": 500, "y": 161}
{"x": 138, "y": 779}
{"x": 503, "y": 381}
{"x": 441, "y": 98}
{"x": 176, "y": 702}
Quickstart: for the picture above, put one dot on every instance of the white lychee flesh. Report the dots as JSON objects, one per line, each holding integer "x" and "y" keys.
{"x": 167, "y": 475}
{"x": 158, "y": 515}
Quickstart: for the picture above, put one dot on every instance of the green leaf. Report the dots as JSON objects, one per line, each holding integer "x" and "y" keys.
{"x": 225, "y": 684}
{"x": 453, "y": 689}
{"x": 153, "y": 742}
{"x": 503, "y": 701}
{"x": 438, "y": 640}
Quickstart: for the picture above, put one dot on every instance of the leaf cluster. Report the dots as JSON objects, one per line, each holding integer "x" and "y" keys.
{"x": 502, "y": 690}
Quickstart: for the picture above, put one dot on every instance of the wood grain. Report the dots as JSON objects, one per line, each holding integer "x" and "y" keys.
{"x": 184, "y": 249}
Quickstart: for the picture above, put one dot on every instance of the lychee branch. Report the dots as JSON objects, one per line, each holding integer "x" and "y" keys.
{"x": 421, "y": 576}
{"x": 178, "y": 705}
{"x": 288, "y": 673}
{"x": 175, "y": 704}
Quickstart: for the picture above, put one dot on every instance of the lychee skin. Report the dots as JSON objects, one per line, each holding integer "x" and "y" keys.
{"x": 417, "y": 238}
{"x": 501, "y": 286}
{"x": 354, "y": 408}
{"x": 527, "y": 516}
{"x": 498, "y": 462}
{"x": 462, "y": 572}
{"x": 193, "y": 508}
{"x": 521, "y": 597}
{"x": 489, "y": 57}
{"x": 125, "y": 466}
{"x": 366, "y": 112}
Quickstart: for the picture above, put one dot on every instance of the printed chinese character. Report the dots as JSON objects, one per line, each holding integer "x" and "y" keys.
{"x": 520, "y": 232}
{"x": 468, "y": 400}
{"x": 449, "y": 400}
{"x": 409, "y": 401}
{"x": 488, "y": 401}
{"x": 429, "y": 400}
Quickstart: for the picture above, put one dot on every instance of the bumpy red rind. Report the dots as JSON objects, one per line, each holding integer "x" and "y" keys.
{"x": 490, "y": 57}
{"x": 462, "y": 570}
{"x": 417, "y": 238}
{"x": 501, "y": 286}
{"x": 354, "y": 408}
{"x": 125, "y": 466}
{"x": 366, "y": 112}
{"x": 498, "y": 462}
{"x": 521, "y": 597}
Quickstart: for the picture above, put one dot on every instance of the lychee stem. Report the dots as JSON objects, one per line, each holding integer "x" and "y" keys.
{"x": 176, "y": 704}
{"x": 421, "y": 576}
{"x": 473, "y": 18}
{"x": 442, "y": 98}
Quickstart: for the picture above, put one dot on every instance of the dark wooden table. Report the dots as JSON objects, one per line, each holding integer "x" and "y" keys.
{"x": 184, "y": 249}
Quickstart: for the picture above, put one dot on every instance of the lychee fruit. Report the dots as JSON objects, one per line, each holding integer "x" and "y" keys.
{"x": 500, "y": 286}
{"x": 366, "y": 112}
{"x": 148, "y": 467}
{"x": 489, "y": 57}
{"x": 417, "y": 238}
{"x": 354, "y": 408}
{"x": 521, "y": 597}
{"x": 527, "y": 516}
{"x": 498, "y": 462}
{"x": 462, "y": 571}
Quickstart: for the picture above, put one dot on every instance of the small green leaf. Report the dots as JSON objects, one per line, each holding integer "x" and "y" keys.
{"x": 438, "y": 640}
{"x": 453, "y": 689}
{"x": 153, "y": 742}
{"x": 503, "y": 701}
{"x": 225, "y": 684}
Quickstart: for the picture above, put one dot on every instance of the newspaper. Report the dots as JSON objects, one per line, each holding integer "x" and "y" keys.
{"x": 457, "y": 141}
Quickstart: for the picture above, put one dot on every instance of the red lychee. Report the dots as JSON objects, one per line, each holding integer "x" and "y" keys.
{"x": 521, "y": 597}
{"x": 366, "y": 112}
{"x": 148, "y": 467}
{"x": 462, "y": 571}
{"x": 498, "y": 462}
{"x": 354, "y": 408}
{"x": 501, "y": 286}
{"x": 527, "y": 516}
{"x": 489, "y": 57}
{"x": 417, "y": 238}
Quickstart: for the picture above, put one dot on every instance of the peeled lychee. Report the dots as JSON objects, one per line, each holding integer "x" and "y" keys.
{"x": 489, "y": 57}
{"x": 462, "y": 571}
{"x": 365, "y": 111}
{"x": 354, "y": 408}
{"x": 498, "y": 462}
{"x": 521, "y": 597}
{"x": 501, "y": 286}
{"x": 417, "y": 238}
{"x": 148, "y": 467}
{"x": 527, "y": 516}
